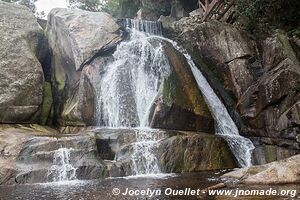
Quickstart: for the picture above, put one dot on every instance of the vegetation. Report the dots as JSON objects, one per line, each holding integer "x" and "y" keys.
{"x": 117, "y": 8}
{"x": 90, "y": 5}
{"x": 27, "y": 3}
{"x": 263, "y": 15}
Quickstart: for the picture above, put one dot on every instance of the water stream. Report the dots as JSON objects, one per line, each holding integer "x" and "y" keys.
{"x": 129, "y": 87}
{"x": 131, "y": 83}
{"x": 240, "y": 146}
{"x": 62, "y": 169}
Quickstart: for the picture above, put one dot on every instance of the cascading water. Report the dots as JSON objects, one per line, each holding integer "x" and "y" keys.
{"x": 240, "y": 146}
{"x": 144, "y": 160}
{"x": 150, "y": 27}
{"x": 62, "y": 169}
{"x": 130, "y": 84}
{"x": 128, "y": 88}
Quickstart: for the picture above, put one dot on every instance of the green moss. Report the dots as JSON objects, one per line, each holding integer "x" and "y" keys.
{"x": 60, "y": 78}
{"x": 270, "y": 153}
{"x": 180, "y": 87}
{"x": 47, "y": 103}
{"x": 173, "y": 92}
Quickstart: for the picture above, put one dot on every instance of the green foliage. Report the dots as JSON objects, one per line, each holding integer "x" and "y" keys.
{"x": 90, "y": 5}
{"x": 295, "y": 32}
{"x": 112, "y": 7}
{"x": 261, "y": 15}
{"x": 27, "y": 3}
{"x": 117, "y": 8}
{"x": 121, "y": 8}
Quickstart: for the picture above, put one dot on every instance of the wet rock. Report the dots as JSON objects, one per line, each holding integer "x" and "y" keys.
{"x": 28, "y": 155}
{"x": 193, "y": 152}
{"x": 271, "y": 105}
{"x": 12, "y": 140}
{"x": 180, "y": 105}
{"x": 279, "y": 172}
{"x": 37, "y": 158}
{"x": 21, "y": 74}
{"x": 77, "y": 38}
{"x": 259, "y": 88}
{"x": 175, "y": 151}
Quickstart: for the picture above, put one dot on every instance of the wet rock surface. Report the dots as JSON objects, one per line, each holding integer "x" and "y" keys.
{"x": 32, "y": 156}
{"x": 176, "y": 151}
{"x": 279, "y": 172}
{"x": 180, "y": 105}
{"x": 77, "y": 38}
{"x": 194, "y": 152}
{"x": 259, "y": 87}
{"x": 46, "y": 155}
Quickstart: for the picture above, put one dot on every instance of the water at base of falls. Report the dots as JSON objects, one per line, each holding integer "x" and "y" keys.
{"x": 143, "y": 158}
{"x": 62, "y": 169}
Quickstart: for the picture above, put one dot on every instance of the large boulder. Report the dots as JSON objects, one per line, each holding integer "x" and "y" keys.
{"x": 194, "y": 152}
{"x": 225, "y": 48}
{"x": 262, "y": 86}
{"x": 180, "y": 104}
{"x": 76, "y": 38}
{"x": 279, "y": 172}
{"x": 22, "y": 79}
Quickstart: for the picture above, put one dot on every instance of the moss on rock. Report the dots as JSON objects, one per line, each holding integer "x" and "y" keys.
{"x": 47, "y": 103}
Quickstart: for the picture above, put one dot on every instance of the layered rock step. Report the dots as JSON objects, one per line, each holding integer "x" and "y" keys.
{"x": 174, "y": 151}
{"x": 51, "y": 159}
{"x": 32, "y": 156}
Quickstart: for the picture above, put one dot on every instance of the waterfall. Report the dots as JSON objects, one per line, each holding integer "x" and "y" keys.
{"x": 62, "y": 169}
{"x": 128, "y": 88}
{"x": 143, "y": 159}
{"x": 150, "y": 27}
{"x": 240, "y": 146}
{"x": 131, "y": 82}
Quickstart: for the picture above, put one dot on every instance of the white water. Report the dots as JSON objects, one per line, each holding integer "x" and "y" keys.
{"x": 150, "y": 27}
{"x": 62, "y": 169}
{"x": 143, "y": 159}
{"x": 240, "y": 146}
{"x": 128, "y": 88}
{"x": 131, "y": 82}
{"x": 130, "y": 85}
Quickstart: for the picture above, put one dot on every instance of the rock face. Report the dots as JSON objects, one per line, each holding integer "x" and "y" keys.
{"x": 38, "y": 154}
{"x": 76, "y": 38}
{"x": 180, "y": 106}
{"x": 45, "y": 159}
{"x": 175, "y": 151}
{"x": 280, "y": 172}
{"x": 21, "y": 84}
{"x": 191, "y": 152}
{"x": 259, "y": 82}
